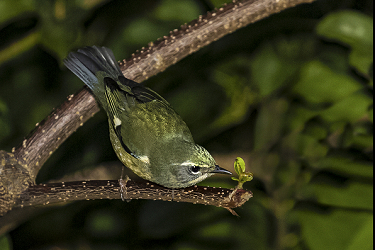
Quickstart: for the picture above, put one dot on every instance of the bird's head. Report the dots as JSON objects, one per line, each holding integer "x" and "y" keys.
{"x": 192, "y": 164}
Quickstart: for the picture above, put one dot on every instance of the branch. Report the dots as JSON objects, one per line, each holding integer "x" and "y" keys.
{"x": 50, "y": 193}
{"x": 19, "y": 168}
{"x": 54, "y": 130}
{"x": 201, "y": 32}
{"x": 48, "y": 136}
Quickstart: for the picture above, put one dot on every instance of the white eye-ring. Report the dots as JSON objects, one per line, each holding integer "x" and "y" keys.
{"x": 195, "y": 169}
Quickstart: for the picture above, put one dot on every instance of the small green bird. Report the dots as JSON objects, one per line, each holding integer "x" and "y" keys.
{"x": 147, "y": 135}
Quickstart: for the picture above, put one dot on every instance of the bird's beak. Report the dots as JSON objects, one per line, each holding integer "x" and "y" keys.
{"x": 219, "y": 170}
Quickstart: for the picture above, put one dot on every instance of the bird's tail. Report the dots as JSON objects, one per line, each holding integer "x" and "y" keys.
{"x": 89, "y": 61}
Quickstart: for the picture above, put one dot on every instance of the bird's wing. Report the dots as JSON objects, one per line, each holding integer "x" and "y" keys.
{"x": 141, "y": 118}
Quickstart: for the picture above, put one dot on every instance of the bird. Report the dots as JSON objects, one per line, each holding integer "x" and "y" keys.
{"x": 147, "y": 134}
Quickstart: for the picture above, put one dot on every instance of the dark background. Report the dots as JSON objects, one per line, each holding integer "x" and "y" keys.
{"x": 291, "y": 94}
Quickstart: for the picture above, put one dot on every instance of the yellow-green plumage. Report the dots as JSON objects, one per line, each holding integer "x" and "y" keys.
{"x": 147, "y": 135}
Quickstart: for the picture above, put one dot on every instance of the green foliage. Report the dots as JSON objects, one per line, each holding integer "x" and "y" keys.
{"x": 314, "y": 88}
{"x": 355, "y": 30}
{"x": 177, "y": 11}
{"x": 4, "y": 121}
{"x": 5, "y": 243}
{"x": 243, "y": 176}
{"x": 292, "y": 94}
{"x": 238, "y": 93}
{"x": 339, "y": 229}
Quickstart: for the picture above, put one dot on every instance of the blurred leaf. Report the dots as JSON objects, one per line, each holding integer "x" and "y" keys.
{"x": 248, "y": 232}
{"x": 362, "y": 60}
{"x": 220, "y": 229}
{"x": 239, "y": 93}
{"x": 315, "y": 129}
{"x": 319, "y": 84}
{"x": 371, "y": 114}
{"x": 182, "y": 10}
{"x": 298, "y": 116}
{"x": 103, "y": 223}
{"x": 269, "y": 124}
{"x": 10, "y": 9}
{"x": 311, "y": 148}
{"x": 365, "y": 142}
{"x": 270, "y": 71}
{"x": 339, "y": 229}
{"x": 308, "y": 147}
{"x": 265, "y": 165}
{"x": 141, "y": 30}
{"x": 5, "y": 242}
{"x": 346, "y": 166}
{"x": 19, "y": 47}
{"x": 158, "y": 219}
{"x": 352, "y": 28}
{"x": 350, "y": 195}
{"x": 60, "y": 31}
{"x": 4, "y": 121}
{"x": 350, "y": 109}
{"x": 199, "y": 104}
{"x": 359, "y": 135}
{"x": 219, "y": 3}
{"x": 364, "y": 238}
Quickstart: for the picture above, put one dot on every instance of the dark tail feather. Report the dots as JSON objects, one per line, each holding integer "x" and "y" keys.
{"x": 88, "y": 61}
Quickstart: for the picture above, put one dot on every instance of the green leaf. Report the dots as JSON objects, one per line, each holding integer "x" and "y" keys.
{"x": 307, "y": 146}
{"x": 361, "y": 60}
{"x": 350, "y": 109}
{"x": 18, "y": 47}
{"x": 270, "y": 123}
{"x": 4, "y": 121}
{"x": 350, "y": 27}
{"x": 347, "y": 166}
{"x": 371, "y": 114}
{"x": 182, "y": 11}
{"x": 239, "y": 165}
{"x": 339, "y": 229}
{"x": 354, "y": 29}
{"x": 364, "y": 238}
{"x": 350, "y": 195}
{"x": 271, "y": 71}
{"x": 297, "y": 117}
{"x": 319, "y": 84}
{"x": 316, "y": 130}
{"x": 239, "y": 94}
{"x": 5, "y": 242}
{"x": 142, "y": 29}
{"x": 11, "y": 9}
{"x": 245, "y": 177}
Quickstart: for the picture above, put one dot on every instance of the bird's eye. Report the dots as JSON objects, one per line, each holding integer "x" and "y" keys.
{"x": 195, "y": 169}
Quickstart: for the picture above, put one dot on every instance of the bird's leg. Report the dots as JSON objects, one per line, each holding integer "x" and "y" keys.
{"x": 122, "y": 183}
{"x": 172, "y": 194}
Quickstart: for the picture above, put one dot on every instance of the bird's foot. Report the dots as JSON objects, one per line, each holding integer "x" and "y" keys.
{"x": 123, "y": 188}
